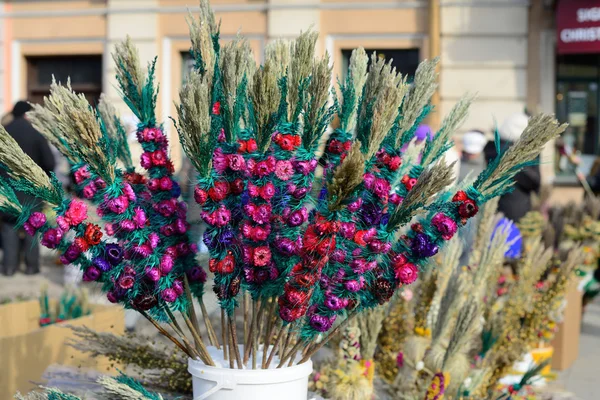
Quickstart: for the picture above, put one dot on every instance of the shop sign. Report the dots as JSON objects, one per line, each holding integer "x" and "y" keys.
{"x": 578, "y": 26}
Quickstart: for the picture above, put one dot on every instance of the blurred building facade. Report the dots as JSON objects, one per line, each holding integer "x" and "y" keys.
{"x": 503, "y": 50}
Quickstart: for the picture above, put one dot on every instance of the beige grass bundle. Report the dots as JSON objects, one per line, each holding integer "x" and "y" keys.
{"x": 383, "y": 93}
{"x": 347, "y": 176}
{"x": 423, "y": 88}
{"x": 78, "y": 123}
{"x": 22, "y": 168}
{"x": 194, "y": 121}
{"x": 302, "y": 52}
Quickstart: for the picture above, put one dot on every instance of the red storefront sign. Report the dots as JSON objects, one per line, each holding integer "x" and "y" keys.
{"x": 578, "y": 26}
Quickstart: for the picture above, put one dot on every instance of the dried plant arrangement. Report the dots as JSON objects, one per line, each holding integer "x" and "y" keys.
{"x": 301, "y": 267}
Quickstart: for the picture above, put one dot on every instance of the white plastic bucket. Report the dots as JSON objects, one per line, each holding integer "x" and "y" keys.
{"x": 214, "y": 383}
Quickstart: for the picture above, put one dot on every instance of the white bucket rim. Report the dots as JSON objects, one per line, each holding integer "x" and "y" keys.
{"x": 251, "y": 376}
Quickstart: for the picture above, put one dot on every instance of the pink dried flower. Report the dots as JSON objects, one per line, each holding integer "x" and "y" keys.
{"x": 220, "y": 162}
{"x": 369, "y": 180}
{"x": 261, "y": 256}
{"x": 118, "y": 205}
{"x": 166, "y": 264}
{"x": 284, "y": 170}
{"x": 37, "y": 220}
{"x": 81, "y": 175}
{"x": 381, "y": 188}
{"x": 407, "y": 273}
{"x": 166, "y": 183}
{"x": 76, "y": 213}
{"x": 127, "y": 225}
{"x": 445, "y": 225}
{"x": 169, "y": 295}
{"x": 51, "y": 238}
{"x": 159, "y": 158}
{"x": 154, "y": 239}
{"x": 139, "y": 217}
{"x": 128, "y": 192}
{"x": 236, "y": 162}
{"x": 89, "y": 191}
{"x": 146, "y": 160}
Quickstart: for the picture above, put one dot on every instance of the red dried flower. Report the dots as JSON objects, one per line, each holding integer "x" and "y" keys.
{"x": 216, "y": 108}
{"x": 93, "y": 234}
{"x": 460, "y": 196}
{"x": 219, "y": 191}
{"x": 81, "y": 244}
{"x": 467, "y": 209}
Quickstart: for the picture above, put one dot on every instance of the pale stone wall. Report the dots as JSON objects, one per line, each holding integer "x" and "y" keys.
{"x": 484, "y": 51}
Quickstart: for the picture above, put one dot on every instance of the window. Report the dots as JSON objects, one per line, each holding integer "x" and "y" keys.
{"x": 577, "y": 102}
{"x": 405, "y": 61}
{"x": 85, "y": 73}
{"x": 187, "y": 65}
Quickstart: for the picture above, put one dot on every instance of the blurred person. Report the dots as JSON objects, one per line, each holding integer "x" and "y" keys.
{"x": 517, "y": 203}
{"x": 472, "y": 160}
{"x": 6, "y": 119}
{"x": 36, "y": 147}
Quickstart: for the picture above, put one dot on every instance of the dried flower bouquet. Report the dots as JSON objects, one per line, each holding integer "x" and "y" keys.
{"x": 308, "y": 263}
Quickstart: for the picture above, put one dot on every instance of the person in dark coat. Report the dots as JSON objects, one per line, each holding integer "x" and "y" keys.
{"x": 36, "y": 147}
{"x": 516, "y": 204}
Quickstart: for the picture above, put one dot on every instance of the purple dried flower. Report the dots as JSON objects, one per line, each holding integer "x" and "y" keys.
{"x": 335, "y": 303}
{"x": 422, "y": 246}
{"x": 91, "y": 274}
{"x": 113, "y": 253}
{"x": 102, "y": 264}
{"x": 321, "y": 323}
{"x": 197, "y": 274}
{"x": 371, "y": 214}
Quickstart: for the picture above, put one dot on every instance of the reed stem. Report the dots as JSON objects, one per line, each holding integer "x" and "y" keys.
{"x": 199, "y": 342}
{"x": 292, "y": 358}
{"x": 275, "y": 346}
{"x": 177, "y": 329}
{"x": 259, "y": 326}
{"x": 268, "y": 333}
{"x": 166, "y": 334}
{"x": 230, "y": 342}
{"x": 286, "y": 357}
{"x": 192, "y": 311}
{"x": 224, "y": 334}
{"x": 234, "y": 340}
{"x": 248, "y": 339}
{"x": 247, "y": 317}
{"x": 212, "y": 336}
{"x": 331, "y": 334}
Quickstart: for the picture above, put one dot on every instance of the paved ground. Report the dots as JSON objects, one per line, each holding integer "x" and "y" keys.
{"x": 581, "y": 379}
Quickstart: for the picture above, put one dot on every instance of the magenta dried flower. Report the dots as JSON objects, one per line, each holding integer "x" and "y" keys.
{"x": 153, "y": 274}
{"x": 91, "y": 274}
{"x": 126, "y": 282}
{"x": 321, "y": 323}
{"x": 169, "y": 295}
{"x": 445, "y": 225}
{"x": 51, "y": 238}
